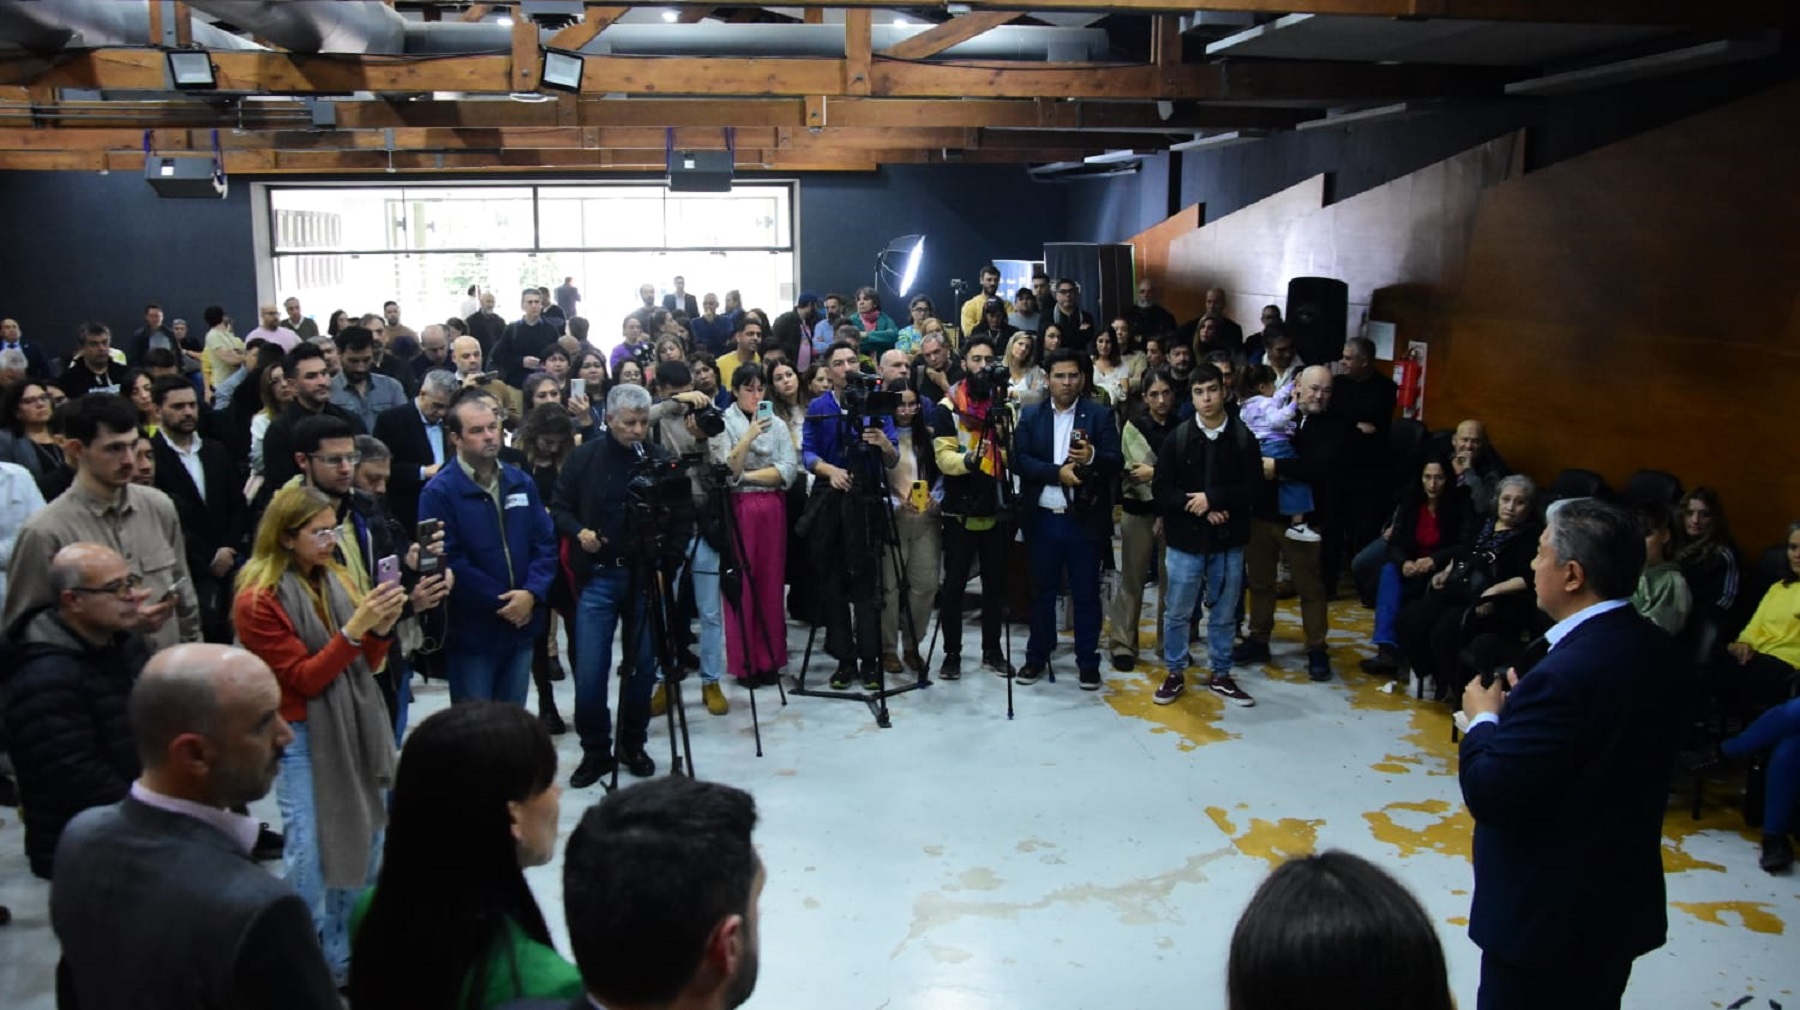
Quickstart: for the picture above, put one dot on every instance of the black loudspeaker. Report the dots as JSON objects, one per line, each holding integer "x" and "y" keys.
{"x": 700, "y": 172}
{"x": 1318, "y": 315}
{"x": 1103, "y": 273}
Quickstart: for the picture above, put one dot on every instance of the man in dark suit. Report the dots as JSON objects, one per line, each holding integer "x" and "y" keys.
{"x": 200, "y": 477}
{"x": 1074, "y": 322}
{"x": 680, "y": 300}
{"x": 305, "y": 368}
{"x": 414, "y": 433}
{"x": 12, "y": 338}
{"x": 157, "y": 902}
{"x": 661, "y": 884}
{"x": 1568, "y": 776}
{"x": 1066, "y": 511}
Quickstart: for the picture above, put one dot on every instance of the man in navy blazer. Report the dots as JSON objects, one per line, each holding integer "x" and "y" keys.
{"x": 1568, "y": 776}
{"x": 1066, "y": 514}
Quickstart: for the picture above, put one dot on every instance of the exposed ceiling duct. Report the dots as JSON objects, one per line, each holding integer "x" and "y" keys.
{"x": 343, "y": 26}
{"x": 707, "y": 38}
{"x": 47, "y": 26}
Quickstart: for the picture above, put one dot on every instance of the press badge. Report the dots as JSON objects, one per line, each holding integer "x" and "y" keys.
{"x": 515, "y": 501}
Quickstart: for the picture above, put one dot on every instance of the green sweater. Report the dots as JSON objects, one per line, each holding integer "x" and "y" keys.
{"x": 520, "y": 968}
{"x": 1663, "y": 598}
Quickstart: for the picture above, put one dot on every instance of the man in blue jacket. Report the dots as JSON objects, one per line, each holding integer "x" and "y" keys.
{"x": 500, "y": 544}
{"x": 1066, "y": 511}
{"x": 1568, "y": 776}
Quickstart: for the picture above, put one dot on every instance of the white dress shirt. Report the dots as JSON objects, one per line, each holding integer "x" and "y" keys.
{"x": 1054, "y": 495}
{"x": 1559, "y": 631}
{"x": 190, "y": 459}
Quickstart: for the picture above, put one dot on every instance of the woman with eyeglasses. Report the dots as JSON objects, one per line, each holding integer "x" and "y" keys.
{"x": 913, "y": 333}
{"x": 25, "y": 436}
{"x": 298, "y": 610}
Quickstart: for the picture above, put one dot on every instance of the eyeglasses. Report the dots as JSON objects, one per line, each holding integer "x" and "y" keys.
{"x": 118, "y": 587}
{"x": 322, "y": 536}
{"x": 34, "y": 401}
{"x": 346, "y": 459}
{"x": 1065, "y": 291}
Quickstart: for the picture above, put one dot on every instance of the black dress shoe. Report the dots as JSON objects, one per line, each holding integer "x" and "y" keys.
{"x": 593, "y": 768}
{"x": 557, "y": 670}
{"x": 1777, "y": 853}
{"x": 1124, "y": 664}
{"x": 1385, "y": 661}
{"x": 639, "y": 763}
{"x": 552, "y": 720}
{"x": 269, "y": 845}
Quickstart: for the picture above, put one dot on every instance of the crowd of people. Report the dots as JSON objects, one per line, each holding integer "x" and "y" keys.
{"x": 361, "y": 502}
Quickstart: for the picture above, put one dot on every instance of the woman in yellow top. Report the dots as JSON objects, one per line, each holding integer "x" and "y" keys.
{"x": 1766, "y": 654}
{"x": 451, "y": 923}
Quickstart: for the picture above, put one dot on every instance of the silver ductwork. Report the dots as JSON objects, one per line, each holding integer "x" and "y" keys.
{"x": 47, "y": 26}
{"x": 1011, "y": 42}
{"x": 340, "y": 26}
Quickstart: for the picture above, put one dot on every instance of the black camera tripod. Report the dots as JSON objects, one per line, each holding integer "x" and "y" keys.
{"x": 868, "y": 503}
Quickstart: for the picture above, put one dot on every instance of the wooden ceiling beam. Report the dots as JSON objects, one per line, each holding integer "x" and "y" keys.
{"x": 955, "y": 31}
{"x": 527, "y": 61}
{"x": 1314, "y": 82}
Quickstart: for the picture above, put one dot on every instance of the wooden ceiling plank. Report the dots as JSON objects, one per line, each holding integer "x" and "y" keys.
{"x": 857, "y": 41}
{"x": 953, "y": 32}
{"x": 527, "y": 60}
{"x": 475, "y": 12}
{"x": 594, "y": 21}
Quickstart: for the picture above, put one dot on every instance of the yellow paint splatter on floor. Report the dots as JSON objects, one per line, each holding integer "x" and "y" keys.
{"x": 1753, "y": 914}
{"x": 1274, "y": 842}
{"x": 1458, "y": 920}
{"x": 1450, "y": 831}
{"x": 1195, "y": 716}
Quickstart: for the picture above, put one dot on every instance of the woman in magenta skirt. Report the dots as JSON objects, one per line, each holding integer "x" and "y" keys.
{"x": 759, "y": 449}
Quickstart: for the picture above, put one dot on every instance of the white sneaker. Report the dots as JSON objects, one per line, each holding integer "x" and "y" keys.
{"x": 1303, "y": 533}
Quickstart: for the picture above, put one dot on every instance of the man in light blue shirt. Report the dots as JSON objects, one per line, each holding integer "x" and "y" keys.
{"x": 358, "y": 389}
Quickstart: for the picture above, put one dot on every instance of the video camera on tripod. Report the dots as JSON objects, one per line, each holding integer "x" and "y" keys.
{"x": 863, "y": 398}
{"x": 989, "y": 382}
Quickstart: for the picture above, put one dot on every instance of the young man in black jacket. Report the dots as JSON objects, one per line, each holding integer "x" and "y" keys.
{"x": 1205, "y": 484}
{"x": 72, "y": 666}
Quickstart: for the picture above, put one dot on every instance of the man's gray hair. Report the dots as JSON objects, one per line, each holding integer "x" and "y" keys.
{"x": 320, "y": 340}
{"x": 439, "y": 382}
{"x": 14, "y": 359}
{"x": 64, "y": 575}
{"x": 372, "y": 449}
{"x": 627, "y": 396}
{"x": 1604, "y": 539}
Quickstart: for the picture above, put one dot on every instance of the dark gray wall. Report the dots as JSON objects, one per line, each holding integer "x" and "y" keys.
{"x": 87, "y": 246}
{"x": 969, "y": 215}
{"x": 1359, "y": 158}
{"x": 82, "y": 246}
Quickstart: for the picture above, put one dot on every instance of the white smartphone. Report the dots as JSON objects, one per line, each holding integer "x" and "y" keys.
{"x": 577, "y": 387}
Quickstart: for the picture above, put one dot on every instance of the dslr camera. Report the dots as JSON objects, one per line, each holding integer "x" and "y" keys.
{"x": 709, "y": 420}
{"x": 989, "y": 382}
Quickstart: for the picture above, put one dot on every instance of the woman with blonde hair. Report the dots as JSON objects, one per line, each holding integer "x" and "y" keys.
{"x": 298, "y": 610}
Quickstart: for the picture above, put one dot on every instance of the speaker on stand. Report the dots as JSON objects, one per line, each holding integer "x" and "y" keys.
{"x": 1318, "y": 316}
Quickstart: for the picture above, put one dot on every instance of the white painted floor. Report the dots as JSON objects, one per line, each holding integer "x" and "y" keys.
{"x": 1095, "y": 851}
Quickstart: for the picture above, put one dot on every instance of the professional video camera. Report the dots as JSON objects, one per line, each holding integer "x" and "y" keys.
{"x": 708, "y": 419}
{"x": 862, "y": 397}
{"x": 989, "y": 382}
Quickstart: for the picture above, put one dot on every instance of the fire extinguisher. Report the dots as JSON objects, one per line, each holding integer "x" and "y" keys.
{"x": 1408, "y": 375}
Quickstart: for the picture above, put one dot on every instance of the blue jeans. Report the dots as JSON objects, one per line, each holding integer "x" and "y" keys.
{"x": 1059, "y": 544}
{"x": 491, "y": 669}
{"x": 1219, "y": 579}
{"x": 597, "y": 615}
{"x": 705, "y": 574}
{"x": 1365, "y": 570}
{"x": 330, "y": 906}
{"x": 1777, "y": 730}
{"x": 1390, "y": 594}
{"x": 401, "y": 673}
{"x": 1292, "y": 497}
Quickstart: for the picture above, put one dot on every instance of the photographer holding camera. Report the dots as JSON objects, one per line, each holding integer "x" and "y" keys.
{"x": 593, "y": 510}
{"x": 851, "y": 471}
{"x": 970, "y": 430}
{"x": 681, "y": 421}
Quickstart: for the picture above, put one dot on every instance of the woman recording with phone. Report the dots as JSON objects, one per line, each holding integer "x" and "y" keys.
{"x": 299, "y": 611}
{"x": 759, "y": 451}
{"x": 913, "y": 491}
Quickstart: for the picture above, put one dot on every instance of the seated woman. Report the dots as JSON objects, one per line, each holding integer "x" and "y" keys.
{"x": 1027, "y": 385}
{"x": 451, "y": 924}
{"x": 1767, "y": 652}
{"x": 1709, "y": 559}
{"x": 298, "y": 610}
{"x": 1334, "y": 930}
{"x": 1766, "y": 656}
{"x": 1662, "y": 595}
{"x": 1492, "y": 570}
{"x": 1430, "y": 526}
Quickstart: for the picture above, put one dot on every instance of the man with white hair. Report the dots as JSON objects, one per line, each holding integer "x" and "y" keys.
{"x": 414, "y": 433}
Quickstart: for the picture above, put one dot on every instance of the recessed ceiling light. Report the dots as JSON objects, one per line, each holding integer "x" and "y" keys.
{"x": 670, "y": 16}
{"x": 504, "y": 20}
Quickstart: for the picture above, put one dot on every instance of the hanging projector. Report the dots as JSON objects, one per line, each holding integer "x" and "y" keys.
{"x": 700, "y": 171}
{"x": 185, "y": 178}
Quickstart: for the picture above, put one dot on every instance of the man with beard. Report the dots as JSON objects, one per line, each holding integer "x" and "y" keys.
{"x": 305, "y": 370}
{"x": 661, "y": 884}
{"x": 200, "y": 477}
{"x": 486, "y": 326}
{"x": 358, "y": 390}
{"x": 159, "y": 904}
